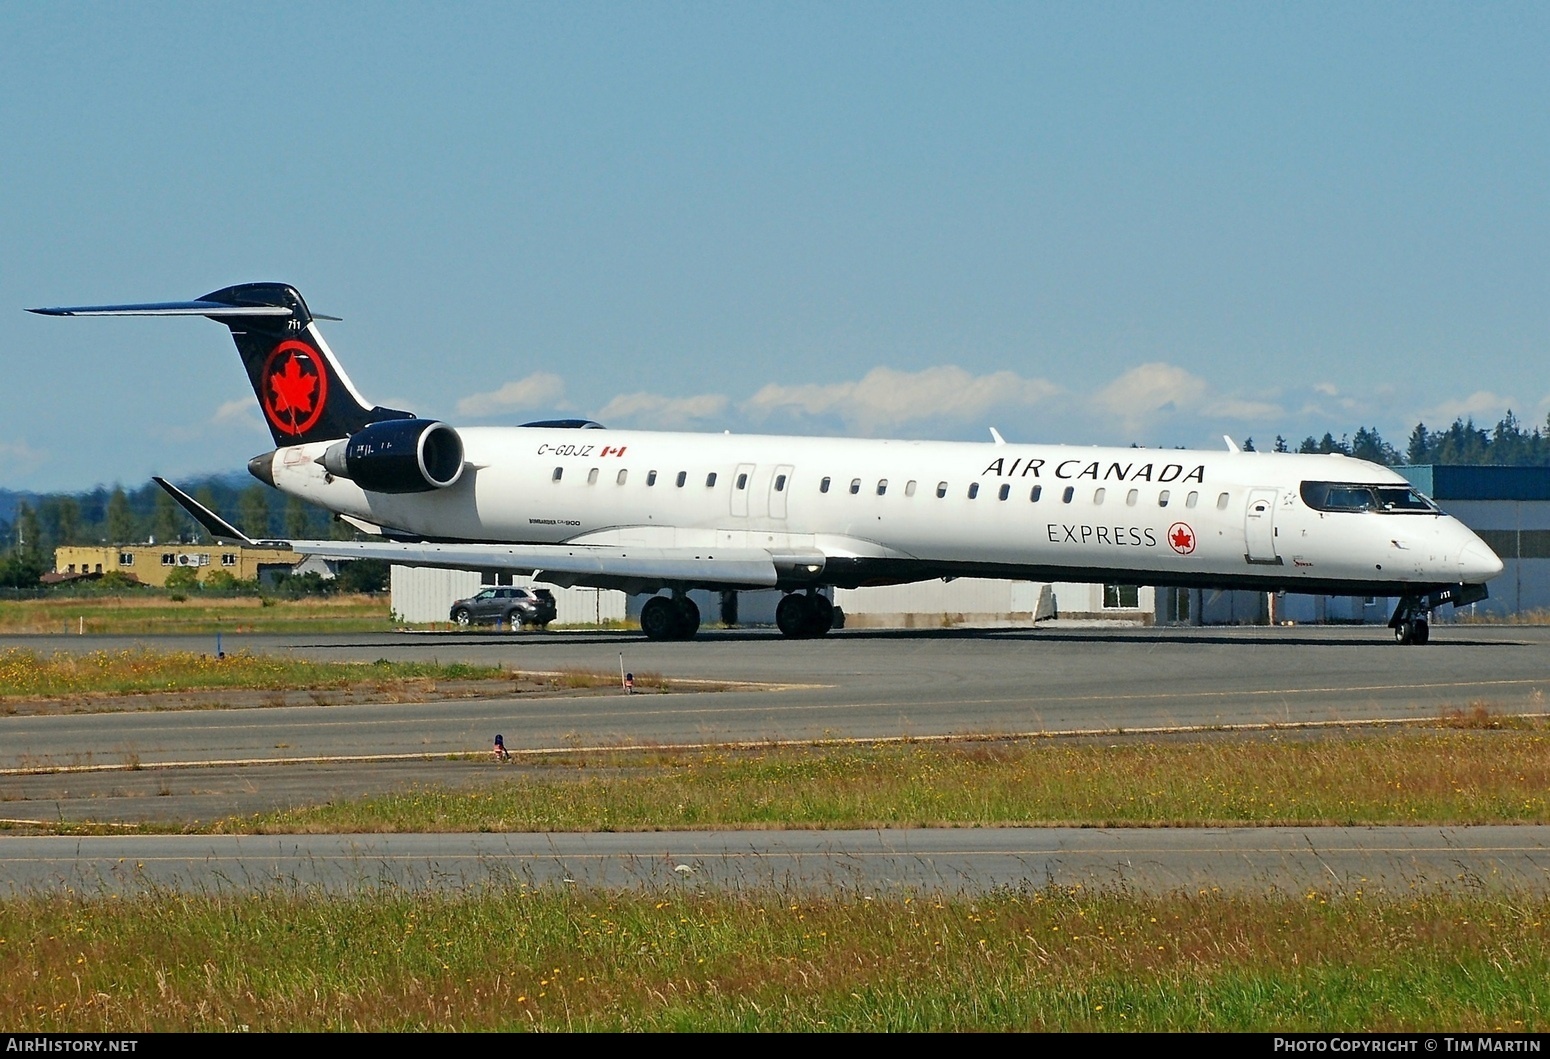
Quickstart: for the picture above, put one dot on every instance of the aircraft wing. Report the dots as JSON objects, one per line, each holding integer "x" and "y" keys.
{"x": 594, "y": 565}
{"x": 597, "y": 566}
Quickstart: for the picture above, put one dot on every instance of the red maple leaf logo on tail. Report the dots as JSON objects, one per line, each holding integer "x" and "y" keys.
{"x": 294, "y": 388}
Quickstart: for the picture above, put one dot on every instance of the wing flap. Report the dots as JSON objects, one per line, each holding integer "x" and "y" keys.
{"x": 598, "y": 566}
{"x": 593, "y": 565}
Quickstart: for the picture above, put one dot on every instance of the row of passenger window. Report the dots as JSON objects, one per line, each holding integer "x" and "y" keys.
{"x": 1132, "y": 498}
{"x": 1164, "y": 498}
{"x": 682, "y": 480}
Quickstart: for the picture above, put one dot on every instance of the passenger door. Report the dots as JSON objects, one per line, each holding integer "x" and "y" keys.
{"x": 742, "y": 485}
{"x": 780, "y": 484}
{"x": 1259, "y": 527}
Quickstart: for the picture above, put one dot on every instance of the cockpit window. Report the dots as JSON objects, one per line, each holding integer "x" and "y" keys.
{"x": 1362, "y": 496}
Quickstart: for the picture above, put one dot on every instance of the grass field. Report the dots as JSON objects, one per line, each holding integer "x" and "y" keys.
{"x": 1405, "y": 776}
{"x": 147, "y": 614}
{"x": 27, "y": 674}
{"x": 507, "y": 956}
{"x": 107, "y": 681}
{"x": 513, "y": 958}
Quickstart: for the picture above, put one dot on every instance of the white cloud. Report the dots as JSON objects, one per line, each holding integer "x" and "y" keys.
{"x": 539, "y": 390}
{"x": 655, "y": 410}
{"x": 238, "y": 417}
{"x": 21, "y": 458}
{"x": 885, "y": 398}
{"x": 1154, "y": 391}
{"x": 1482, "y": 405}
{"x": 244, "y": 410}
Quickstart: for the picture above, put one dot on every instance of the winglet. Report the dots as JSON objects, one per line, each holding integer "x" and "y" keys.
{"x": 995, "y": 436}
{"x": 1232, "y": 446}
{"x": 216, "y": 526}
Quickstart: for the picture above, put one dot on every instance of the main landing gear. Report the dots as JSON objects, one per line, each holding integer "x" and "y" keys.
{"x": 672, "y": 617}
{"x": 803, "y": 616}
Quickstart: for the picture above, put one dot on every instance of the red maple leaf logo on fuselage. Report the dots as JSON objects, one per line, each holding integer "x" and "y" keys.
{"x": 1181, "y": 538}
{"x": 294, "y": 388}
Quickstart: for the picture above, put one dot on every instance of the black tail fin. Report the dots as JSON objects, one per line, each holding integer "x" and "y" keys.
{"x": 304, "y": 393}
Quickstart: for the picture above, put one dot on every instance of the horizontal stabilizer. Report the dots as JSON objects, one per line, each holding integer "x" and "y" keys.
{"x": 214, "y": 525}
{"x": 194, "y": 308}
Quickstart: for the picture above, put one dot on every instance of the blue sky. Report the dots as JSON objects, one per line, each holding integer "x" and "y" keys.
{"x": 1094, "y": 223}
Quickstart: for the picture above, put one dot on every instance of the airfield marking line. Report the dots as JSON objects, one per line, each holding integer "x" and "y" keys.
{"x": 1044, "y": 701}
{"x": 738, "y": 744}
{"x": 206, "y": 857}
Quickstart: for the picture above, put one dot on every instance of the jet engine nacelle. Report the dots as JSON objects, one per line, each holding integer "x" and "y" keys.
{"x": 398, "y": 456}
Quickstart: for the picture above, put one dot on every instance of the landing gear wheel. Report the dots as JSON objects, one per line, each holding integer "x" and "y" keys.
{"x": 669, "y": 618}
{"x": 802, "y": 617}
{"x": 688, "y": 617}
{"x": 820, "y": 615}
{"x": 1411, "y": 619}
{"x": 659, "y": 618}
{"x": 791, "y": 616}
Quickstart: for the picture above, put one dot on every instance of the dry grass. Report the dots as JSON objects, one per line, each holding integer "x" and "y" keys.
{"x": 27, "y": 674}
{"x": 514, "y": 958}
{"x": 137, "y": 615}
{"x": 1445, "y": 776}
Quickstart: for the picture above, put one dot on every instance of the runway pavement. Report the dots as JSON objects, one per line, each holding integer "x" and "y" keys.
{"x": 202, "y": 764}
{"x": 853, "y": 685}
{"x": 1386, "y": 860}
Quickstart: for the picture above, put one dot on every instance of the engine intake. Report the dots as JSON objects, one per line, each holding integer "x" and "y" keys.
{"x": 398, "y": 456}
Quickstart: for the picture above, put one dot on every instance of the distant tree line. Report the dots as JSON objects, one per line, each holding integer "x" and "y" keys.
{"x": 1505, "y": 445}
{"x": 145, "y": 515}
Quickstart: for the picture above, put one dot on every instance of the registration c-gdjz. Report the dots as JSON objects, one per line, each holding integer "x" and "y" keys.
{"x": 573, "y": 503}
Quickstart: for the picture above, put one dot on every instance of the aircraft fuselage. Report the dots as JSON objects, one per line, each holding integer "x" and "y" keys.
{"x": 888, "y": 511}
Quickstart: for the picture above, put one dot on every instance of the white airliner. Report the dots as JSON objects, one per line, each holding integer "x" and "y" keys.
{"x": 645, "y": 511}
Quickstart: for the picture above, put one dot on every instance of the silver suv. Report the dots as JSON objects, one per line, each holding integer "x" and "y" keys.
{"x": 512, "y": 606}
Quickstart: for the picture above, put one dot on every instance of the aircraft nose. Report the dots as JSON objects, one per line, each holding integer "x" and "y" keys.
{"x": 1478, "y": 563}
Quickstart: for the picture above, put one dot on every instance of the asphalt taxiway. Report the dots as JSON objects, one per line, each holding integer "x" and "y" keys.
{"x": 1403, "y": 860}
{"x": 200, "y": 764}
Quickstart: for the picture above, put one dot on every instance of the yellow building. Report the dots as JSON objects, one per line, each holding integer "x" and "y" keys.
{"x": 151, "y": 563}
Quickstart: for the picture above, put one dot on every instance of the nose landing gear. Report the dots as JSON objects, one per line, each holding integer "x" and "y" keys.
{"x": 1411, "y": 622}
{"x": 1412, "y": 614}
{"x": 1412, "y": 631}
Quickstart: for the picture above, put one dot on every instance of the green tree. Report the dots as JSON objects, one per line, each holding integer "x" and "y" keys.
{"x": 28, "y": 534}
{"x": 183, "y": 579}
{"x": 253, "y": 511}
{"x": 363, "y": 575}
{"x": 206, "y": 496}
{"x": 67, "y": 520}
{"x": 298, "y": 519}
{"x": 1369, "y": 445}
{"x": 166, "y": 519}
{"x": 19, "y": 569}
{"x": 121, "y": 523}
{"x": 1461, "y": 443}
